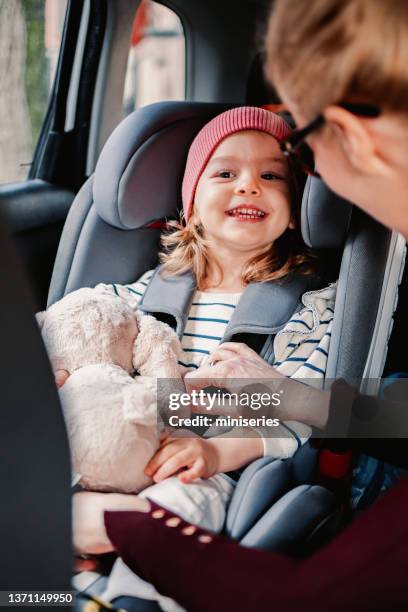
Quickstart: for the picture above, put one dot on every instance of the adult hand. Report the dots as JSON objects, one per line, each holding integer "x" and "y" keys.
{"x": 184, "y": 451}
{"x": 231, "y": 360}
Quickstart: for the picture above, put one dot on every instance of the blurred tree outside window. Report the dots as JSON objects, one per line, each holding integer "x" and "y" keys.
{"x": 156, "y": 61}
{"x": 30, "y": 38}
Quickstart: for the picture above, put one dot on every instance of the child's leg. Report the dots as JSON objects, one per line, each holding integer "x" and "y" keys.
{"x": 202, "y": 502}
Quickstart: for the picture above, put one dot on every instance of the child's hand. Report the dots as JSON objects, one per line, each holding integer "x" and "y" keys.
{"x": 60, "y": 377}
{"x": 196, "y": 457}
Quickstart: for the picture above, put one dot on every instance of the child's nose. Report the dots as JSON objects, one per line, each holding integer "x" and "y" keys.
{"x": 248, "y": 188}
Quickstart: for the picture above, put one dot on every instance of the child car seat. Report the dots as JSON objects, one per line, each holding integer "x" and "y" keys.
{"x": 111, "y": 233}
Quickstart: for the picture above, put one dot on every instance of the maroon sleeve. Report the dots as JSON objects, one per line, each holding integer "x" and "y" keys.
{"x": 363, "y": 568}
{"x": 192, "y": 565}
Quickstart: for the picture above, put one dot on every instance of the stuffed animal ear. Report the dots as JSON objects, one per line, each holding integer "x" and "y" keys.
{"x": 40, "y": 316}
{"x": 139, "y": 405}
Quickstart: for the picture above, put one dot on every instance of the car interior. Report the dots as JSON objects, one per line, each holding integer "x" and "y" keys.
{"x": 88, "y": 212}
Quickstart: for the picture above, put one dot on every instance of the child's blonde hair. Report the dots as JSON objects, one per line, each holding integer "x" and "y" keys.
{"x": 185, "y": 248}
{"x": 322, "y": 52}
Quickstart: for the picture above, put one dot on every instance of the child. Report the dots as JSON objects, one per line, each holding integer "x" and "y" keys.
{"x": 241, "y": 234}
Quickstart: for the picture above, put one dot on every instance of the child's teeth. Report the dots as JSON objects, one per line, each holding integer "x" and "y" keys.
{"x": 252, "y": 214}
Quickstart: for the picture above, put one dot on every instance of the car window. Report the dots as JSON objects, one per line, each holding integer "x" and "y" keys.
{"x": 30, "y": 38}
{"x": 156, "y": 62}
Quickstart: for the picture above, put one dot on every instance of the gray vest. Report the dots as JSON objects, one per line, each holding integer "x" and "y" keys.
{"x": 262, "y": 311}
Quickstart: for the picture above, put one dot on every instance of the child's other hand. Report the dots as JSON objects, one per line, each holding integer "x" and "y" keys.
{"x": 196, "y": 457}
{"x": 88, "y": 526}
{"x": 60, "y": 377}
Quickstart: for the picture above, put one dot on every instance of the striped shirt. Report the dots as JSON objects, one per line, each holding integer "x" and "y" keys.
{"x": 207, "y": 319}
{"x": 300, "y": 348}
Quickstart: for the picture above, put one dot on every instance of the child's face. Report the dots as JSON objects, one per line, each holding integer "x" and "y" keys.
{"x": 242, "y": 198}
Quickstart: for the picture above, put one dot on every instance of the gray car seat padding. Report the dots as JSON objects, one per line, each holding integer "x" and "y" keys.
{"x": 260, "y": 485}
{"x": 92, "y": 251}
{"x": 291, "y": 519}
{"x": 359, "y": 289}
{"x": 35, "y": 509}
{"x": 303, "y": 464}
{"x": 69, "y": 239}
{"x": 325, "y": 216}
{"x": 393, "y": 274}
{"x": 139, "y": 172}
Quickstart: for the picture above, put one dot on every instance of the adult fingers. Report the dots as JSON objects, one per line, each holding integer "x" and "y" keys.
{"x": 238, "y": 348}
{"x": 220, "y": 354}
{"x": 206, "y": 376}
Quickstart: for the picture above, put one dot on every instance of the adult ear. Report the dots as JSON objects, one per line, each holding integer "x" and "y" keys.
{"x": 356, "y": 139}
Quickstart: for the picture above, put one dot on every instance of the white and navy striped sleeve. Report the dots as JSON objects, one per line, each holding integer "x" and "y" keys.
{"x": 132, "y": 292}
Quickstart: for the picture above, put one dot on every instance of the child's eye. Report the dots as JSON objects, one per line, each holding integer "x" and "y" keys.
{"x": 271, "y": 176}
{"x": 225, "y": 174}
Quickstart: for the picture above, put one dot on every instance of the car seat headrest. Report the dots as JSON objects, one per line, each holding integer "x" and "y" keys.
{"x": 325, "y": 216}
{"x": 139, "y": 172}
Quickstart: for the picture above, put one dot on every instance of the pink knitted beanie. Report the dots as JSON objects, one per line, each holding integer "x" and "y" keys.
{"x": 209, "y": 137}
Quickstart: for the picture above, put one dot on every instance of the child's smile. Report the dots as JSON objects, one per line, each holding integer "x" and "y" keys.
{"x": 247, "y": 213}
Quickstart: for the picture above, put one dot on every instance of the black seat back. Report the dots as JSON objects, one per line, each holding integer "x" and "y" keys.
{"x": 35, "y": 508}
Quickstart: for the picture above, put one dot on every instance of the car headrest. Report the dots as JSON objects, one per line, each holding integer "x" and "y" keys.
{"x": 139, "y": 173}
{"x": 325, "y": 216}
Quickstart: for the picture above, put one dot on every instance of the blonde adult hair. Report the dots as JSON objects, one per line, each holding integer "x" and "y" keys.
{"x": 186, "y": 249}
{"x": 322, "y": 52}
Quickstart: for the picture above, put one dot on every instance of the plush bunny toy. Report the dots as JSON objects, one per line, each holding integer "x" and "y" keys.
{"x": 111, "y": 417}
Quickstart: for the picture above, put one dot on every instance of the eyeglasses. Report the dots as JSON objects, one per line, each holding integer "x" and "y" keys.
{"x": 295, "y": 147}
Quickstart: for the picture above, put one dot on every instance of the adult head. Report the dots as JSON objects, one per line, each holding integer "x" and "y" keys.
{"x": 322, "y": 53}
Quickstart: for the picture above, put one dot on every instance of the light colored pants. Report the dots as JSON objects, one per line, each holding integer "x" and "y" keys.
{"x": 202, "y": 502}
